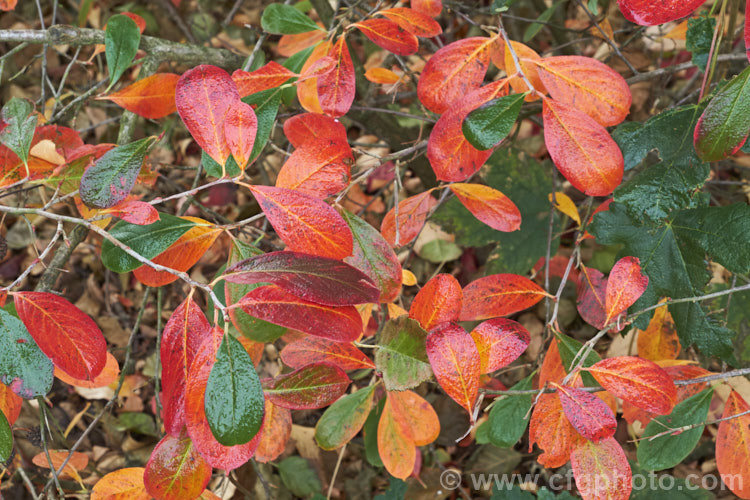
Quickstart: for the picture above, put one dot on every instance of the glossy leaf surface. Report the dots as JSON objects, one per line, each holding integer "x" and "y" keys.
{"x": 135, "y": 212}
{"x": 121, "y": 39}
{"x": 6, "y": 439}
{"x": 175, "y": 470}
{"x": 307, "y": 127}
{"x": 648, "y": 13}
{"x": 489, "y": 124}
{"x": 499, "y": 295}
{"x": 308, "y": 388}
{"x": 343, "y": 419}
{"x": 317, "y": 350}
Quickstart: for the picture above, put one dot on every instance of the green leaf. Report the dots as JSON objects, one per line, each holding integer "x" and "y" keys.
{"x": 213, "y": 169}
{"x": 23, "y": 366}
{"x": 658, "y": 189}
{"x": 295, "y": 63}
{"x": 370, "y": 432}
{"x": 6, "y": 439}
{"x": 140, "y": 423}
{"x": 297, "y": 475}
{"x": 665, "y": 487}
{"x": 545, "y": 494}
{"x": 437, "y": 251}
{"x": 723, "y": 127}
{"x": 508, "y": 417}
{"x": 110, "y": 180}
{"x": 514, "y": 493}
{"x": 20, "y": 121}
{"x": 396, "y": 490}
{"x": 700, "y": 33}
{"x": 121, "y": 40}
{"x": 280, "y": 19}
{"x": 666, "y": 451}
{"x": 489, "y": 124}
{"x": 148, "y": 241}
{"x": 533, "y": 29}
{"x": 234, "y": 398}
{"x": 343, "y": 419}
{"x": 593, "y": 6}
{"x": 401, "y": 356}
{"x": 266, "y": 106}
{"x": 568, "y": 348}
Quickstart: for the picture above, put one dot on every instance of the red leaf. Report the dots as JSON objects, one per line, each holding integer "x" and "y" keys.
{"x": 413, "y": 21}
{"x": 277, "y": 428}
{"x": 317, "y": 350}
{"x": 453, "y": 72}
{"x": 203, "y": 97}
{"x": 64, "y": 333}
{"x": 649, "y": 13}
{"x": 732, "y": 452}
{"x": 638, "y": 381}
{"x": 152, "y": 97}
{"x": 625, "y": 285}
{"x": 336, "y": 89}
{"x": 499, "y": 342}
{"x": 431, "y": 8}
{"x": 439, "y": 301}
{"x": 587, "y": 85}
{"x": 266, "y": 77}
{"x": 588, "y": 414}
{"x": 183, "y": 334}
{"x": 582, "y": 149}
{"x": 311, "y": 387}
{"x": 389, "y": 35}
{"x": 319, "y": 168}
{"x": 175, "y": 470}
{"x": 489, "y": 206}
{"x": 412, "y": 214}
{"x": 499, "y": 295}
{"x": 307, "y": 127}
{"x": 552, "y": 432}
{"x": 270, "y": 303}
{"x": 452, "y": 157}
{"x": 317, "y": 279}
{"x": 240, "y": 127}
{"x": 214, "y": 453}
{"x": 135, "y": 212}
{"x": 455, "y": 361}
{"x": 601, "y": 470}
{"x": 304, "y": 223}
{"x": 591, "y": 297}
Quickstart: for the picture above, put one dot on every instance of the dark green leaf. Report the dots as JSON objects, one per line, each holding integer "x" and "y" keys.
{"x": 401, "y": 355}
{"x": 280, "y": 19}
{"x": 20, "y": 122}
{"x": 665, "y": 487}
{"x": 533, "y": 29}
{"x": 110, "y": 180}
{"x": 396, "y": 490}
{"x": 343, "y": 419}
{"x": 508, "y": 417}
{"x": 140, "y": 423}
{"x": 514, "y": 493}
{"x": 700, "y": 33}
{"x": 666, "y": 451}
{"x": 121, "y": 40}
{"x": 266, "y": 106}
{"x": 234, "y": 398}
{"x": 297, "y": 475}
{"x": 489, "y": 124}
{"x": 23, "y": 366}
{"x": 370, "y": 433}
{"x": 148, "y": 241}
{"x": 214, "y": 169}
{"x": 568, "y": 348}
{"x": 6, "y": 439}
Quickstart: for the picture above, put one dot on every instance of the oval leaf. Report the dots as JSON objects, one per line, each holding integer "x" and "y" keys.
{"x": 625, "y": 285}
{"x": 552, "y": 432}
{"x": 135, "y": 212}
{"x": 489, "y": 206}
{"x": 388, "y": 35}
{"x": 413, "y": 21}
{"x": 397, "y": 451}
{"x": 499, "y": 295}
{"x": 307, "y": 127}
{"x": 510, "y": 416}
{"x": 10, "y": 402}
{"x": 431, "y": 8}
{"x": 343, "y": 419}
{"x": 439, "y": 301}
{"x": 121, "y": 39}
{"x": 499, "y": 342}
{"x": 732, "y": 454}
{"x": 401, "y": 355}
{"x": 24, "y": 368}
{"x": 310, "y": 350}
{"x": 175, "y": 470}
{"x": 122, "y": 484}
{"x": 526, "y": 57}
{"x": 314, "y": 386}
{"x": 588, "y": 414}
{"x": 601, "y": 470}
{"x": 399, "y": 230}
{"x": 240, "y": 127}
{"x": 660, "y": 340}
{"x": 266, "y": 77}
{"x": 277, "y": 428}
{"x": 152, "y": 97}
{"x": 489, "y": 124}
{"x": 283, "y": 19}
{"x": 319, "y": 168}
{"x": 415, "y": 415}
{"x": 648, "y": 13}
{"x": 336, "y": 89}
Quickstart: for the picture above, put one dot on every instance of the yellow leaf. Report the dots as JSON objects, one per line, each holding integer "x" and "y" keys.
{"x": 565, "y": 205}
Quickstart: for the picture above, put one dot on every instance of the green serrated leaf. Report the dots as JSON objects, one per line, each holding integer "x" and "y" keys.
{"x": 343, "y": 419}
{"x": 489, "y": 124}
{"x": 121, "y": 40}
{"x": 19, "y": 122}
{"x": 147, "y": 241}
{"x": 280, "y": 19}
{"x": 666, "y": 451}
{"x": 401, "y": 354}
{"x": 508, "y": 417}
{"x": 6, "y": 439}
{"x": 110, "y": 180}
{"x": 700, "y": 33}
{"x": 23, "y": 366}
{"x": 297, "y": 475}
{"x": 234, "y": 397}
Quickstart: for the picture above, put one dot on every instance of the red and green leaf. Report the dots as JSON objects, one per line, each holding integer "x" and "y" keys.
{"x": 308, "y": 388}
{"x": 175, "y": 470}
{"x": 311, "y": 350}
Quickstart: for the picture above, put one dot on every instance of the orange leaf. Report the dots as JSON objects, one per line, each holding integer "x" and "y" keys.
{"x": 601, "y": 470}
{"x": 499, "y": 295}
{"x": 732, "y": 451}
{"x": 266, "y": 77}
{"x": 587, "y": 413}
{"x": 320, "y": 67}
{"x": 638, "y": 381}
{"x": 240, "y": 127}
{"x": 455, "y": 361}
{"x": 175, "y": 470}
{"x": 412, "y": 214}
{"x": 626, "y": 283}
{"x": 526, "y": 57}
{"x": 413, "y": 21}
{"x": 77, "y": 462}
{"x": 552, "y": 432}
{"x": 397, "y": 451}
{"x": 181, "y": 255}
{"x": 439, "y": 301}
{"x": 308, "y": 127}
{"x": 109, "y": 374}
{"x": 336, "y": 89}
{"x": 659, "y": 341}
{"x": 451, "y": 156}
{"x": 277, "y": 427}
{"x": 499, "y": 342}
{"x": 431, "y": 8}
{"x": 8, "y": 5}
{"x": 415, "y": 415}
{"x": 307, "y": 91}
{"x": 318, "y": 350}
{"x": 582, "y": 149}
{"x": 66, "y": 142}
{"x": 122, "y": 484}
{"x": 10, "y": 403}
{"x": 291, "y": 44}
{"x": 381, "y": 75}
{"x": 454, "y": 71}
{"x": 306, "y": 224}
{"x": 318, "y": 168}
{"x": 152, "y": 97}
{"x": 489, "y": 206}
{"x": 587, "y": 85}
{"x": 389, "y": 35}
{"x": 552, "y": 369}
{"x": 497, "y": 53}
{"x": 133, "y": 211}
